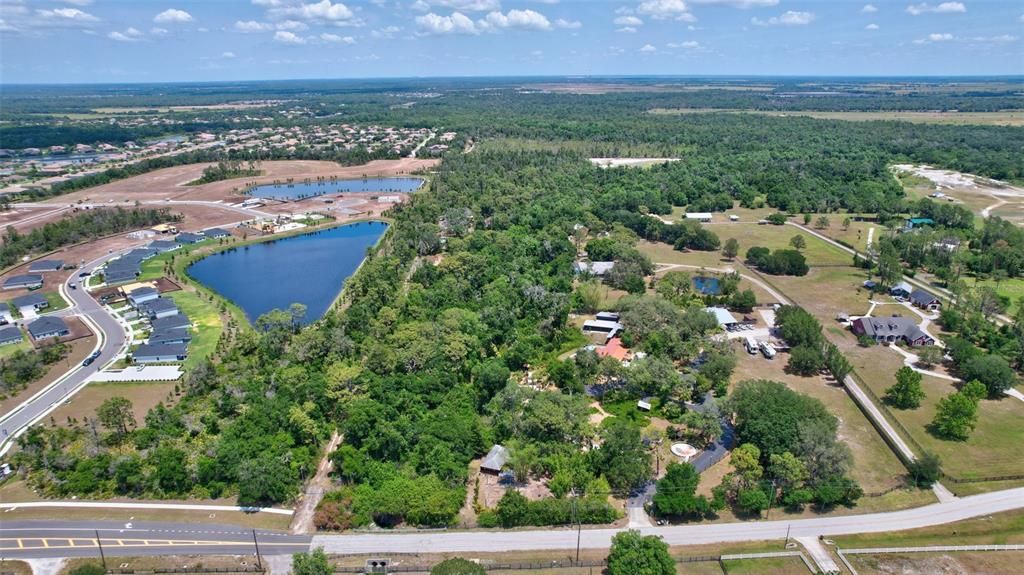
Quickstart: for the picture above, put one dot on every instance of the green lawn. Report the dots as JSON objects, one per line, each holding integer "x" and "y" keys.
{"x": 55, "y": 300}
{"x": 997, "y": 529}
{"x": 9, "y": 349}
{"x": 995, "y": 448}
{"x": 205, "y": 317}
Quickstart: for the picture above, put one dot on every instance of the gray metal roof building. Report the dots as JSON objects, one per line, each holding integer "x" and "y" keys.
{"x": 46, "y": 265}
{"x": 147, "y": 353}
{"x": 47, "y": 327}
{"x": 496, "y": 459}
{"x": 24, "y": 281}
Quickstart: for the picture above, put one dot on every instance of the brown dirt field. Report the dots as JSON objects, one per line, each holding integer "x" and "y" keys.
{"x": 168, "y": 183}
{"x": 989, "y": 563}
{"x": 79, "y": 349}
{"x": 143, "y": 396}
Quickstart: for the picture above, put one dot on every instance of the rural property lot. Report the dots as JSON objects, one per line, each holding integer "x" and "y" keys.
{"x": 1006, "y": 118}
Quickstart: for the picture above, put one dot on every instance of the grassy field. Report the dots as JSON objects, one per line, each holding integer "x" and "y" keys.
{"x": 207, "y": 321}
{"x": 1011, "y": 288}
{"x": 995, "y": 448}
{"x": 84, "y": 403}
{"x": 1007, "y": 118}
{"x": 875, "y": 467}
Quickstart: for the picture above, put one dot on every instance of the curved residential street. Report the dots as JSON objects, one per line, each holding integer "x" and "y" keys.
{"x": 111, "y": 337}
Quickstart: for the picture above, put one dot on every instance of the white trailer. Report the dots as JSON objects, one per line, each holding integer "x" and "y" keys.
{"x": 767, "y": 350}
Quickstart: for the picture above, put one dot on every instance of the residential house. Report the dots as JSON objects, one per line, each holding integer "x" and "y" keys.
{"x": 5, "y": 314}
{"x": 891, "y": 330}
{"x": 215, "y": 233}
{"x": 157, "y": 308}
{"x": 142, "y": 295}
{"x": 158, "y": 353}
{"x": 162, "y": 246}
{"x": 173, "y": 322}
{"x": 120, "y": 272}
{"x": 29, "y": 305}
{"x": 47, "y": 327}
{"x": 39, "y": 266}
{"x": 169, "y": 336}
{"x": 186, "y": 238}
{"x": 10, "y": 334}
{"x": 925, "y": 300}
{"x": 24, "y": 281}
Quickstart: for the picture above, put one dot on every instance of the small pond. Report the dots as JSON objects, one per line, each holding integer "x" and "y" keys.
{"x": 707, "y": 286}
{"x": 309, "y": 269}
{"x": 295, "y": 191}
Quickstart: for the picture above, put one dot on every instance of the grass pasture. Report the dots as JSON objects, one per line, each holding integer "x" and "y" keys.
{"x": 995, "y": 448}
{"x": 1004, "y": 118}
{"x": 992, "y": 562}
{"x": 1011, "y": 288}
{"x": 997, "y": 529}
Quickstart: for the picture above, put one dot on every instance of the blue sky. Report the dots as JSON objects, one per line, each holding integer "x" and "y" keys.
{"x": 74, "y": 41}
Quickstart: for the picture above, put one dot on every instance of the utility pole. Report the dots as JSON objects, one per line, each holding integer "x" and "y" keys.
{"x": 99, "y": 544}
{"x": 259, "y": 562}
{"x": 579, "y": 528}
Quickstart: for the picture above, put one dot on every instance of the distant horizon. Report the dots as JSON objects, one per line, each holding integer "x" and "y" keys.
{"x": 89, "y": 42}
{"x": 999, "y": 77}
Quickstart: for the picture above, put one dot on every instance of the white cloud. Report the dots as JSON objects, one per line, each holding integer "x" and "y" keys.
{"x": 537, "y": 53}
{"x": 386, "y": 32}
{"x": 5, "y": 27}
{"x": 292, "y": 25}
{"x": 434, "y": 24}
{"x": 157, "y": 31}
{"x": 1002, "y": 39}
{"x": 688, "y": 45}
{"x": 935, "y": 37}
{"x": 665, "y": 9}
{"x": 67, "y": 15}
{"x": 251, "y": 26}
{"x": 420, "y": 6}
{"x": 172, "y": 15}
{"x": 869, "y": 9}
{"x": 324, "y": 11}
{"x": 871, "y": 27}
{"x": 290, "y": 38}
{"x": 129, "y": 35}
{"x": 648, "y": 48}
{"x": 268, "y": 3}
{"x": 626, "y": 30}
{"x": 520, "y": 19}
{"x": 743, "y": 4}
{"x": 788, "y": 18}
{"x": 78, "y": 2}
{"x": 568, "y": 24}
{"x": 944, "y": 8}
{"x": 335, "y": 39}
{"x": 227, "y": 55}
{"x": 468, "y": 5}
{"x": 628, "y": 21}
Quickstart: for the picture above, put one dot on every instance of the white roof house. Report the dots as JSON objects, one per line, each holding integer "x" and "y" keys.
{"x": 699, "y": 216}
{"x": 722, "y": 315}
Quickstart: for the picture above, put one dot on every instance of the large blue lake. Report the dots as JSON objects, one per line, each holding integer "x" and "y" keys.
{"x": 308, "y": 190}
{"x": 309, "y": 269}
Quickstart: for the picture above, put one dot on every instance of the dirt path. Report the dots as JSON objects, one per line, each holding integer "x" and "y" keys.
{"x": 302, "y": 521}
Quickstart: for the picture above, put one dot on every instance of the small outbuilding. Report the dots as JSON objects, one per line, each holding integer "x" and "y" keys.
{"x": 722, "y": 316}
{"x": 699, "y": 216}
{"x": 47, "y": 327}
{"x": 40, "y": 266}
{"x": 902, "y": 289}
{"x": 495, "y": 461}
{"x": 608, "y": 328}
{"x": 24, "y": 281}
{"x": 10, "y": 334}
{"x": 912, "y": 223}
